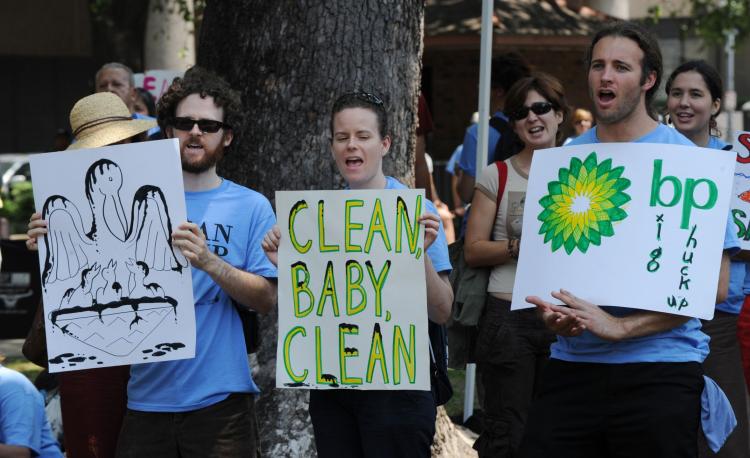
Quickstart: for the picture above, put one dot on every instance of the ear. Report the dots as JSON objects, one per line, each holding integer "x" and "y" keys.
{"x": 386, "y": 142}
{"x": 715, "y": 107}
{"x": 168, "y": 132}
{"x": 650, "y": 81}
{"x": 559, "y": 117}
{"x": 227, "y": 137}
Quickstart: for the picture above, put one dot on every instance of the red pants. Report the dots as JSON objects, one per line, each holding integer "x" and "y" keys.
{"x": 743, "y": 336}
{"x": 93, "y": 405}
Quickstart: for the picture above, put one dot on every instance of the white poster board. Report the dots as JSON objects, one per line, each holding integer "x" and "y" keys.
{"x": 628, "y": 225}
{"x": 352, "y": 294}
{"x": 115, "y": 290}
{"x": 741, "y": 191}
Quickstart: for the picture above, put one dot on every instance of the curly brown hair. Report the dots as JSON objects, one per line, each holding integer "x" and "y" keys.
{"x": 198, "y": 80}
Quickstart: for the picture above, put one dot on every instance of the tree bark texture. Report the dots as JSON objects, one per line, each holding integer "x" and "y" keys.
{"x": 291, "y": 59}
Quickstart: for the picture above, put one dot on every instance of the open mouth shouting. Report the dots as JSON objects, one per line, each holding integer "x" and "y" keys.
{"x": 353, "y": 162}
{"x": 605, "y": 98}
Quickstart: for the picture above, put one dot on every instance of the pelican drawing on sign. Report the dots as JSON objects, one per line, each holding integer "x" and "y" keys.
{"x": 137, "y": 284}
{"x": 82, "y": 294}
{"x": 110, "y": 292}
{"x": 144, "y": 236}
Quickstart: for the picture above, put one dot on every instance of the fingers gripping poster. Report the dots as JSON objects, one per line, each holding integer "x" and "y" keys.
{"x": 352, "y": 295}
{"x": 115, "y": 290}
{"x": 629, "y": 225}
{"x": 741, "y": 192}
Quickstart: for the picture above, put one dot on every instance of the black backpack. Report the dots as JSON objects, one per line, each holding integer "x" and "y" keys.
{"x": 508, "y": 145}
{"x": 440, "y": 384}
{"x": 250, "y": 326}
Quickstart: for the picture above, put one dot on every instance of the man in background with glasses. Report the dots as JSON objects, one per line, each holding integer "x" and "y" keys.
{"x": 204, "y": 407}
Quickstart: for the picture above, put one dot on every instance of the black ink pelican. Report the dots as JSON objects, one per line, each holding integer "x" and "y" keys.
{"x": 144, "y": 236}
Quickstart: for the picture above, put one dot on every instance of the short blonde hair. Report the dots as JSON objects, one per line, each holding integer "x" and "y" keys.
{"x": 581, "y": 114}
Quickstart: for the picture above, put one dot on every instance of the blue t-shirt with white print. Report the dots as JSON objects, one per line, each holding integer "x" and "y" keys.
{"x": 234, "y": 219}
{"x": 681, "y": 344}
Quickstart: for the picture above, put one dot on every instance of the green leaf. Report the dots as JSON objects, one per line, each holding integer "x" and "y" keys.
{"x": 570, "y": 245}
{"x": 590, "y": 162}
{"x": 583, "y": 244}
{"x": 557, "y": 242}
{"x": 546, "y": 201}
{"x": 617, "y": 214}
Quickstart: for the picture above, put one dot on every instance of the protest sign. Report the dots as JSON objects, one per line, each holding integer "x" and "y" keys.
{"x": 741, "y": 192}
{"x": 629, "y": 225}
{"x": 115, "y": 290}
{"x": 352, "y": 294}
{"x": 156, "y": 81}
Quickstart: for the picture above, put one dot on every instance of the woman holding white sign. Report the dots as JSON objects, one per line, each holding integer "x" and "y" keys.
{"x": 512, "y": 347}
{"x": 694, "y": 91}
{"x": 376, "y": 423}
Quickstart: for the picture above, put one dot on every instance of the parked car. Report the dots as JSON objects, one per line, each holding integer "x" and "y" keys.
{"x": 14, "y": 168}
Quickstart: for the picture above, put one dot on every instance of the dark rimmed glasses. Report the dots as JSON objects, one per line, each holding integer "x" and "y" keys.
{"x": 539, "y": 108}
{"x": 207, "y": 126}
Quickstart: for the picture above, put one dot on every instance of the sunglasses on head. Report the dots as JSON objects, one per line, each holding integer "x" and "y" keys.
{"x": 207, "y": 126}
{"x": 539, "y": 108}
{"x": 365, "y": 97}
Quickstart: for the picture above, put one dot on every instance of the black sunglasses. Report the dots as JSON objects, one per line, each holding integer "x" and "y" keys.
{"x": 207, "y": 126}
{"x": 539, "y": 108}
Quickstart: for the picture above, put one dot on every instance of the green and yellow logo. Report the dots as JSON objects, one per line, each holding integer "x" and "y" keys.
{"x": 582, "y": 205}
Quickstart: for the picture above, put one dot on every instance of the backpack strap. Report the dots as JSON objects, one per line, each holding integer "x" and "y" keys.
{"x": 506, "y": 146}
{"x": 502, "y": 179}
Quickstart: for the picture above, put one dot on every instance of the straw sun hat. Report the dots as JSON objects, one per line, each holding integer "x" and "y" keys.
{"x": 103, "y": 119}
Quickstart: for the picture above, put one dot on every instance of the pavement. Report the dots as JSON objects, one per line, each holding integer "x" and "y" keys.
{"x": 11, "y": 348}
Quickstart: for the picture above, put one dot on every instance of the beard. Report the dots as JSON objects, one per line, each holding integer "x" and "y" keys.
{"x": 203, "y": 164}
{"x": 628, "y": 104}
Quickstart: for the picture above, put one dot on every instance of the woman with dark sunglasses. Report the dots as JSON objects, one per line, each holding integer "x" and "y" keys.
{"x": 376, "y": 423}
{"x": 512, "y": 347}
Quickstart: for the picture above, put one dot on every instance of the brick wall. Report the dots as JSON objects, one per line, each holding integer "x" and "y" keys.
{"x": 452, "y": 89}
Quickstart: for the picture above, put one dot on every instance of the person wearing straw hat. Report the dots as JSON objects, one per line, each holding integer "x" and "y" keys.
{"x": 205, "y": 407}
{"x": 102, "y": 119}
{"x": 93, "y": 401}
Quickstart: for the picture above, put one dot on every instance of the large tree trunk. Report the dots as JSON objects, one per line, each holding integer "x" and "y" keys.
{"x": 169, "y": 43}
{"x": 291, "y": 59}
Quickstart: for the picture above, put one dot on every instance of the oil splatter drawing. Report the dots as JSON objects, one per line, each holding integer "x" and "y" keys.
{"x": 115, "y": 289}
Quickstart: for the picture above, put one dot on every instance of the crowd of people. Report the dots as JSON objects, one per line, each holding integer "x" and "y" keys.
{"x": 577, "y": 380}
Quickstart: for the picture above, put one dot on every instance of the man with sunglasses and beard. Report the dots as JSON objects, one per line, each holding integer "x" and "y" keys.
{"x": 623, "y": 382}
{"x": 204, "y": 407}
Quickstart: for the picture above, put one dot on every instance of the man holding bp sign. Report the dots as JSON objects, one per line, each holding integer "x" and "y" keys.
{"x": 615, "y": 373}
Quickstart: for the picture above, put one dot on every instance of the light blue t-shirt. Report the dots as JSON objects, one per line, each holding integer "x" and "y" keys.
{"x": 681, "y": 344}
{"x": 468, "y": 160}
{"x": 450, "y": 166}
{"x": 22, "y": 419}
{"x": 716, "y": 143}
{"x": 234, "y": 220}
{"x": 438, "y": 251}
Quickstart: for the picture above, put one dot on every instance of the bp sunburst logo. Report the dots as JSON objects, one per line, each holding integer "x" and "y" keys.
{"x": 582, "y": 205}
